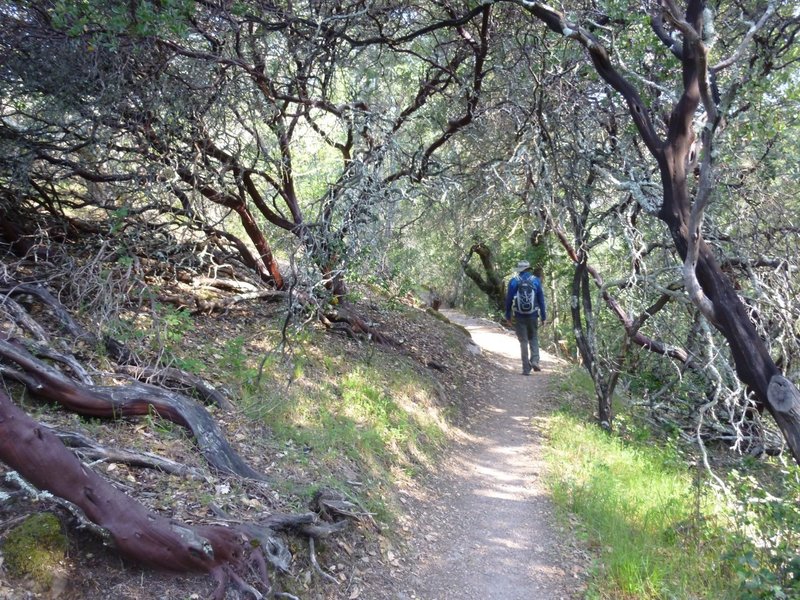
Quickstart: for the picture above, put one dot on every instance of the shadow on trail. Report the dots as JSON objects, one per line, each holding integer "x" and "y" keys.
{"x": 489, "y": 515}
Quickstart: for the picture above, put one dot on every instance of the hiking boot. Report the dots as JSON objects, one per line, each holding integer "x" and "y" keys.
{"x": 526, "y": 372}
{"x": 537, "y": 368}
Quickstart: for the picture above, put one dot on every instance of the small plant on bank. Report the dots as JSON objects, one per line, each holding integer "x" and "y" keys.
{"x": 763, "y": 552}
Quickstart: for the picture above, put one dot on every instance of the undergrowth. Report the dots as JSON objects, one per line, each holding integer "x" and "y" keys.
{"x": 658, "y": 525}
{"x": 357, "y": 420}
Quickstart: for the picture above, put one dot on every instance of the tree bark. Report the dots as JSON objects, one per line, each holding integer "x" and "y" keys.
{"x": 232, "y": 555}
{"x": 492, "y": 283}
{"x": 42, "y": 460}
{"x": 583, "y": 326}
{"x": 135, "y": 399}
{"x": 714, "y": 293}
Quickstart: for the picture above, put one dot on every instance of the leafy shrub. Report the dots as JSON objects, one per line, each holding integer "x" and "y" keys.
{"x": 764, "y": 550}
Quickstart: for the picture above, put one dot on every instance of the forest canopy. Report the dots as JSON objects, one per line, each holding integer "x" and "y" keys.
{"x": 647, "y": 158}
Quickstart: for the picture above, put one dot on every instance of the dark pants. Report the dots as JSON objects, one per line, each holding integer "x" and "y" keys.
{"x": 527, "y": 329}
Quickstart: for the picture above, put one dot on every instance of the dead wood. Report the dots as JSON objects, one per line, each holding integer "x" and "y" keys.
{"x": 181, "y": 379}
{"x": 220, "y": 283}
{"x": 308, "y": 523}
{"x": 42, "y": 460}
{"x": 67, "y": 360}
{"x": 344, "y": 320}
{"x": 90, "y": 450}
{"x": 332, "y": 505}
{"x": 115, "y": 349}
{"x": 134, "y": 399}
{"x": 305, "y": 524}
{"x": 208, "y": 307}
{"x": 312, "y": 553}
{"x": 21, "y": 317}
{"x": 200, "y": 306}
{"x": 13, "y": 288}
{"x": 19, "y": 241}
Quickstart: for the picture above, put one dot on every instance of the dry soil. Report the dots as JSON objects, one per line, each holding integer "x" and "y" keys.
{"x": 483, "y": 525}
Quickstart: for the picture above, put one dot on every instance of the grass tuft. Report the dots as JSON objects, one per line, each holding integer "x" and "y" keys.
{"x": 635, "y": 507}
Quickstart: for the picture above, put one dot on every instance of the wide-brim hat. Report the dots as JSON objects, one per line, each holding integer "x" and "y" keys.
{"x": 523, "y": 265}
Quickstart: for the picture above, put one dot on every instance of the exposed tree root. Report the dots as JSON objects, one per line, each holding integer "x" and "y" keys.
{"x": 331, "y": 505}
{"x": 313, "y": 557}
{"x": 347, "y": 322}
{"x": 91, "y": 450}
{"x": 180, "y": 379}
{"x": 42, "y": 460}
{"x": 235, "y": 555}
{"x": 128, "y": 363}
{"x": 13, "y": 288}
{"x": 134, "y": 399}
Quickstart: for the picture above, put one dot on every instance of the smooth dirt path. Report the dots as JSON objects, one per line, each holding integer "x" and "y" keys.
{"x": 484, "y": 524}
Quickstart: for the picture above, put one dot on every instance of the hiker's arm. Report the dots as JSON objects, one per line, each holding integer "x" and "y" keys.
{"x": 512, "y": 289}
{"x": 540, "y": 301}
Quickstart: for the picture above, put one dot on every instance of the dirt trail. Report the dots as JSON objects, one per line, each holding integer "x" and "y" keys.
{"x": 484, "y": 524}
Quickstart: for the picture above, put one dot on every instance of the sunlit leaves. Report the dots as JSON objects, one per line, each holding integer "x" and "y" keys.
{"x": 106, "y": 20}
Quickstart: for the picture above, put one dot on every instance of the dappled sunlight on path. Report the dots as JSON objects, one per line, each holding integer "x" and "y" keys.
{"x": 487, "y": 523}
{"x": 500, "y": 344}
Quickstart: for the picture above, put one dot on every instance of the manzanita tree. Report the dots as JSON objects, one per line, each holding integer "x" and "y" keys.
{"x": 300, "y": 121}
{"x": 685, "y": 153}
{"x": 304, "y": 121}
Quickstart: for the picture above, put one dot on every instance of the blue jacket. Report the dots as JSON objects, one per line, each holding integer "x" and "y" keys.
{"x": 512, "y": 291}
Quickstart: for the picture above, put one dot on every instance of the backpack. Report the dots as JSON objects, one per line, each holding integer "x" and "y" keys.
{"x": 525, "y": 299}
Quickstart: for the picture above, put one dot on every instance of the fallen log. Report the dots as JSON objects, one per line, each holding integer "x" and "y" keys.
{"x": 44, "y": 462}
{"x": 133, "y": 399}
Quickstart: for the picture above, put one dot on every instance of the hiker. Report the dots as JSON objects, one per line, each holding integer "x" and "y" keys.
{"x": 526, "y": 298}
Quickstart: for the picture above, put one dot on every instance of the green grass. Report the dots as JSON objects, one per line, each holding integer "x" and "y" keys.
{"x": 655, "y": 522}
{"x": 635, "y": 508}
{"x": 364, "y": 413}
{"x": 339, "y": 417}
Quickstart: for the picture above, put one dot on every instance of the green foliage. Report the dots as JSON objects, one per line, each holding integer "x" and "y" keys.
{"x": 344, "y": 135}
{"x": 374, "y": 409}
{"x": 249, "y": 377}
{"x": 576, "y": 384}
{"x": 361, "y": 418}
{"x": 335, "y": 417}
{"x": 176, "y": 323}
{"x": 234, "y": 358}
{"x": 162, "y": 332}
{"x": 660, "y": 530}
{"x": 112, "y": 19}
{"x": 369, "y": 415}
{"x": 35, "y": 548}
{"x": 763, "y": 552}
{"x": 633, "y": 504}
